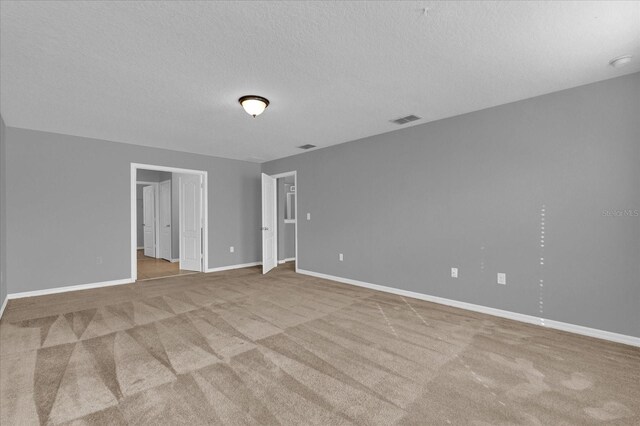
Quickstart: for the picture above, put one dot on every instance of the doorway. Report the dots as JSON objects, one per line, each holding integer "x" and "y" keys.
{"x": 168, "y": 221}
{"x": 157, "y": 255}
{"x": 279, "y": 221}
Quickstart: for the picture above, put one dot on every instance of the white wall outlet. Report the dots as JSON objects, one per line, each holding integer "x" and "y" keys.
{"x": 341, "y": 257}
{"x": 308, "y": 216}
{"x": 502, "y": 278}
{"x": 232, "y": 249}
{"x": 454, "y": 272}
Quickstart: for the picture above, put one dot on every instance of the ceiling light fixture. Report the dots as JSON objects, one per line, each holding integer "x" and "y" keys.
{"x": 254, "y": 105}
{"x": 620, "y": 61}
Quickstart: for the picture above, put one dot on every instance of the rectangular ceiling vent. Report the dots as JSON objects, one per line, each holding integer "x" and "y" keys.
{"x": 307, "y": 146}
{"x": 405, "y": 120}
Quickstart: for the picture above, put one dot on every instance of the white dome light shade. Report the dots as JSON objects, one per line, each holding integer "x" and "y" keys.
{"x": 254, "y": 105}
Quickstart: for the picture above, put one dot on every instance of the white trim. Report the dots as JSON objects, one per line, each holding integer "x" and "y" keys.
{"x": 558, "y": 325}
{"x": 293, "y": 173}
{"x": 141, "y": 248}
{"x": 69, "y": 288}
{"x": 226, "y": 268}
{"x": 205, "y": 203}
{"x": 289, "y": 259}
{"x": 174, "y": 260}
{"x": 4, "y": 305}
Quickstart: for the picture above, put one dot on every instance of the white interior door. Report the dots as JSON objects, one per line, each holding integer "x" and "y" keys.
{"x": 269, "y": 217}
{"x": 165, "y": 220}
{"x": 190, "y": 223}
{"x": 149, "y": 218}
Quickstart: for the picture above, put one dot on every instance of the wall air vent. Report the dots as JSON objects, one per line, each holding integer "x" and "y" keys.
{"x": 307, "y": 146}
{"x": 407, "y": 119}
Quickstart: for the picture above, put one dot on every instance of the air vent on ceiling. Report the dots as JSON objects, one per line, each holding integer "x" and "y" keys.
{"x": 407, "y": 119}
{"x": 307, "y": 146}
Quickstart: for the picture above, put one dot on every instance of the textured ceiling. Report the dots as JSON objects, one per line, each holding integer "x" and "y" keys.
{"x": 168, "y": 74}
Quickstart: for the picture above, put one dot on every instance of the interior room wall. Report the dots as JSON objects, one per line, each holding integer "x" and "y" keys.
{"x": 3, "y": 214}
{"x": 144, "y": 175}
{"x": 84, "y": 235}
{"x": 286, "y": 231}
{"x": 469, "y": 192}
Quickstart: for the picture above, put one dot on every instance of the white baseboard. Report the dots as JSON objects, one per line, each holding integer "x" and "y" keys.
{"x": 174, "y": 260}
{"x": 106, "y": 284}
{"x": 68, "y": 288}
{"x": 140, "y": 248}
{"x": 4, "y": 305}
{"x": 288, "y": 259}
{"x": 226, "y": 268}
{"x": 558, "y": 325}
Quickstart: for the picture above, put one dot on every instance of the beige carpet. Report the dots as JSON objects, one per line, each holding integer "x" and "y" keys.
{"x": 239, "y": 348}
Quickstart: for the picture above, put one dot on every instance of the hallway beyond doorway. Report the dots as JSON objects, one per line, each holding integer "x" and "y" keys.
{"x": 150, "y": 267}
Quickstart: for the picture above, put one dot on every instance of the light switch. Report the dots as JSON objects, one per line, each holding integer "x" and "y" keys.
{"x": 231, "y": 249}
{"x": 308, "y": 216}
{"x": 502, "y": 278}
{"x": 454, "y": 272}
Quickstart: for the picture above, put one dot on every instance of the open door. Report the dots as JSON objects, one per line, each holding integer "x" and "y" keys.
{"x": 269, "y": 217}
{"x": 165, "y": 220}
{"x": 190, "y": 222}
{"x": 149, "y": 218}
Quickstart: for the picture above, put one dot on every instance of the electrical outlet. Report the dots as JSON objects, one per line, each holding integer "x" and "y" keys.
{"x": 341, "y": 257}
{"x": 454, "y": 272}
{"x": 99, "y": 260}
{"x": 502, "y": 278}
{"x": 231, "y": 249}
{"x": 308, "y": 216}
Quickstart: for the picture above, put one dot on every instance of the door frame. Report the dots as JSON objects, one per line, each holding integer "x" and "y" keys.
{"x": 204, "y": 200}
{"x": 156, "y": 213}
{"x": 277, "y": 176}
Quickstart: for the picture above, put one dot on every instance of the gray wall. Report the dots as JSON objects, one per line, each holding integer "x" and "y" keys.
{"x": 59, "y": 222}
{"x": 406, "y": 206}
{"x": 3, "y": 214}
{"x": 286, "y": 231}
{"x": 144, "y": 175}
